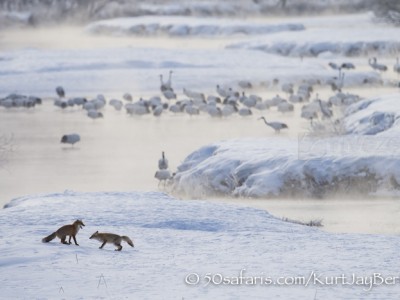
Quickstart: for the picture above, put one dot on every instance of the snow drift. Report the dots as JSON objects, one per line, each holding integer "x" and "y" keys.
{"x": 294, "y": 48}
{"x": 374, "y": 116}
{"x": 185, "y": 26}
{"x": 172, "y": 240}
{"x": 308, "y": 167}
{"x": 353, "y": 35}
{"x": 47, "y": 11}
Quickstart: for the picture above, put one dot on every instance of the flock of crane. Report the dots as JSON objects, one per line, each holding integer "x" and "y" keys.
{"x": 225, "y": 102}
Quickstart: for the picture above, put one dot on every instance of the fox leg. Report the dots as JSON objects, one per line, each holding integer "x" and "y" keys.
{"x": 63, "y": 240}
{"x": 69, "y": 240}
{"x": 102, "y": 245}
{"x": 74, "y": 240}
{"x": 118, "y": 245}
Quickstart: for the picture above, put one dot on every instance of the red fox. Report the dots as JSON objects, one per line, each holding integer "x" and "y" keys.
{"x": 111, "y": 238}
{"x": 64, "y": 231}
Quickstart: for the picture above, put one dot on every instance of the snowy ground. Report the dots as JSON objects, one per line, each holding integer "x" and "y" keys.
{"x": 173, "y": 239}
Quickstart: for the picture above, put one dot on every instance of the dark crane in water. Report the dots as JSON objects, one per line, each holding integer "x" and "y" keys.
{"x": 373, "y": 62}
{"x": 166, "y": 86}
{"x": 277, "y": 126}
{"x": 60, "y": 91}
{"x": 163, "y": 162}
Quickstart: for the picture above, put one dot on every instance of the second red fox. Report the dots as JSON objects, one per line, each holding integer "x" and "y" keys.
{"x": 112, "y": 239}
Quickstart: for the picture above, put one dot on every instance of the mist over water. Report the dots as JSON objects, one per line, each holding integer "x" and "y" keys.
{"x": 120, "y": 152}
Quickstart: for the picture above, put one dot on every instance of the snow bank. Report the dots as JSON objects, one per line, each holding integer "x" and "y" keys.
{"x": 136, "y": 70}
{"x": 308, "y": 167}
{"x": 16, "y": 19}
{"x": 353, "y": 48}
{"x": 173, "y": 239}
{"x": 83, "y": 11}
{"x": 184, "y": 26}
{"x": 352, "y": 35}
{"x": 374, "y": 116}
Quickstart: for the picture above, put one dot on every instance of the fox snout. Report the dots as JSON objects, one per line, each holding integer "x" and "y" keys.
{"x": 79, "y": 223}
{"x": 94, "y": 235}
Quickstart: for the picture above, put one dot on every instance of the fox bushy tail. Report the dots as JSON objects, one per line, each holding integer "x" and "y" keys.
{"x": 128, "y": 240}
{"x": 49, "y": 238}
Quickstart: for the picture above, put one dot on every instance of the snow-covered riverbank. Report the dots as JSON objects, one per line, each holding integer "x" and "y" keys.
{"x": 173, "y": 239}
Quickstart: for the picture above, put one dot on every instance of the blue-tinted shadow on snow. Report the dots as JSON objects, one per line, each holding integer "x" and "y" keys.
{"x": 194, "y": 225}
{"x": 133, "y": 64}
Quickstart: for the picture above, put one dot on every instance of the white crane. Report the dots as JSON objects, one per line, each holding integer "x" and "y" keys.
{"x": 127, "y": 97}
{"x": 163, "y": 175}
{"x": 334, "y": 66}
{"x": 194, "y": 95}
{"x": 244, "y": 84}
{"x": 169, "y": 82}
{"x": 245, "y": 111}
{"x": 191, "y": 109}
{"x": 277, "y": 126}
{"x": 309, "y": 115}
{"x": 287, "y": 88}
{"x": 345, "y": 65}
{"x": 176, "y": 108}
{"x": 211, "y": 98}
{"x": 222, "y": 92}
{"x": 213, "y": 110}
{"x": 169, "y": 94}
{"x": 158, "y": 110}
{"x": 373, "y": 62}
{"x": 117, "y": 104}
{"x": 348, "y": 65}
{"x": 228, "y": 110}
{"x": 338, "y": 83}
{"x": 327, "y": 113}
{"x": 137, "y": 108}
{"x": 94, "y": 114}
{"x": 285, "y": 106}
